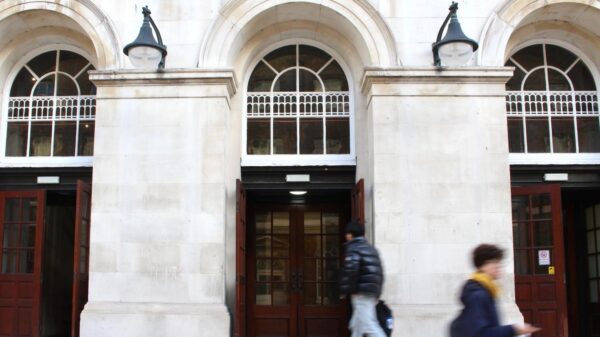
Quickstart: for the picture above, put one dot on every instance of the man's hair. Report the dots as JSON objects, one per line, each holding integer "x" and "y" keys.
{"x": 485, "y": 253}
{"x": 355, "y": 228}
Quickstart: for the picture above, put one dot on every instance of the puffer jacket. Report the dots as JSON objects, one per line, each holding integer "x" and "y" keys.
{"x": 479, "y": 317}
{"x": 362, "y": 272}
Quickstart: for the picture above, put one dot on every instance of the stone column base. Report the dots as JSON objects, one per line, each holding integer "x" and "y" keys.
{"x": 434, "y": 319}
{"x": 114, "y": 319}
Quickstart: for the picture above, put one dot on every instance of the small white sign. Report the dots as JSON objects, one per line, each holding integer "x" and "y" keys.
{"x": 543, "y": 257}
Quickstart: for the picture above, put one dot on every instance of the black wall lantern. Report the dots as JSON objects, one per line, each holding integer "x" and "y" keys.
{"x": 455, "y": 49}
{"x": 145, "y": 52}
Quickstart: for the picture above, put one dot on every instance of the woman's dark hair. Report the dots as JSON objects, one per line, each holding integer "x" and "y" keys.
{"x": 355, "y": 228}
{"x": 485, "y": 253}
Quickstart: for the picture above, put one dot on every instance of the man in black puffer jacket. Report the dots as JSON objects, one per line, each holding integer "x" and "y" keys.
{"x": 362, "y": 279}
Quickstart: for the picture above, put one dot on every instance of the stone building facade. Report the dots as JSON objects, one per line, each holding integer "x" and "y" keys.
{"x": 336, "y": 98}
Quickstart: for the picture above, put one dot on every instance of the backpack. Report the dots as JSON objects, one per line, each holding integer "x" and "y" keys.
{"x": 385, "y": 317}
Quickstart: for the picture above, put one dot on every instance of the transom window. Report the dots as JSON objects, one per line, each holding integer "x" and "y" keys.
{"x": 297, "y": 103}
{"x": 552, "y": 103}
{"x": 51, "y": 109}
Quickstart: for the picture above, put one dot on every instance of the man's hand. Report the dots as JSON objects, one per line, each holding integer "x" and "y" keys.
{"x": 525, "y": 329}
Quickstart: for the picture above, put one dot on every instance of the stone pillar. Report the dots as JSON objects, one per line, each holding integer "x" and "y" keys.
{"x": 159, "y": 205}
{"x": 440, "y": 186}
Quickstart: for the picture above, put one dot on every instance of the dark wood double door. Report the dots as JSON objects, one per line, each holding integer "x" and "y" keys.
{"x": 293, "y": 271}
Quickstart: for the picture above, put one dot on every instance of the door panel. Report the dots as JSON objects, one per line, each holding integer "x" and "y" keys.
{"x": 293, "y": 267}
{"x": 81, "y": 248}
{"x": 240, "y": 262}
{"x": 21, "y": 233}
{"x": 539, "y": 257}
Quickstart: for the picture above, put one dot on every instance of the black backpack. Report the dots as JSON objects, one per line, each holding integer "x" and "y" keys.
{"x": 385, "y": 317}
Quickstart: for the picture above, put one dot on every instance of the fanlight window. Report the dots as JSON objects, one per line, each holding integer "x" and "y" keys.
{"x": 51, "y": 109}
{"x": 552, "y": 103}
{"x": 297, "y": 103}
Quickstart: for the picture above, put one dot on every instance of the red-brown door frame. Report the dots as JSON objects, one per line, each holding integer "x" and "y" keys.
{"x": 80, "y": 280}
{"x": 240, "y": 261}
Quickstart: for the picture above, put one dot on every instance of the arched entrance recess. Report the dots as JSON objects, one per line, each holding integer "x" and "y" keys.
{"x": 245, "y": 27}
{"x": 516, "y": 22}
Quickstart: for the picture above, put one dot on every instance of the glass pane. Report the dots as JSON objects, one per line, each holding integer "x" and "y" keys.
{"x": 598, "y": 240}
{"x": 309, "y": 82}
{"x": 11, "y": 236}
{"x": 597, "y": 215}
{"x": 310, "y": 293}
{"x": 43, "y": 63}
{"x": 543, "y": 233}
{"x": 263, "y": 294}
{"x": 312, "y": 270}
{"x": 530, "y": 57}
{"x": 312, "y": 245}
{"x": 557, "y": 81}
{"x": 312, "y": 222}
{"x": 592, "y": 267}
{"x": 71, "y": 63}
{"x": 541, "y": 206}
{"x": 338, "y": 135}
{"x": 581, "y": 77}
{"x": 516, "y": 140}
{"x": 311, "y": 136}
{"x": 41, "y": 133}
{"x": 284, "y": 136}
{"x": 28, "y": 235}
{"x": 334, "y": 78}
{"x": 16, "y": 139}
{"x": 281, "y": 245}
{"x": 559, "y": 57}
{"x": 313, "y": 58}
{"x": 263, "y": 245}
{"x": 521, "y": 234}
{"x": 29, "y": 209}
{"x": 281, "y": 222}
{"x": 541, "y": 267}
{"x": 331, "y": 222}
{"x": 331, "y": 246}
{"x": 263, "y": 270}
{"x": 520, "y": 208}
{"x": 263, "y": 222}
{"x": 589, "y": 218}
{"x": 280, "y": 294}
{"x": 280, "y": 270}
{"x": 82, "y": 260}
{"x": 594, "y": 291}
{"x": 45, "y": 87}
{"x": 282, "y": 58}
{"x": 259, "y": 136}
{"x": 22, "y": 84}
{"x": 9, "y": 261}
{"x": 591, "y": 244}
{"x": 12, "y": 209}
{"x": 563, "y": 134}
{"x": 86, "y": 138}
{"x": 66, "y": 86}
{"x": 261, "y": 79}
{"x": 64, "y": 138}
{"x": 86, "y": 87}
{"x": 286, "y": 82}
{"x": 588, "y": 133}
{"x": 536, "y": 80}
{"x": 522, "y": 262}
{"x": 515, "y": 82}
{"x": 332, "y": 295}
{"x": 332, "y": 270}
{"x": 26, "y": 261}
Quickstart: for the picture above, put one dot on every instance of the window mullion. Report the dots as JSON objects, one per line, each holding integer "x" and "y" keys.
{"x": 30, "y": 113}
{"x": 54, "y": 103}
{"x": 324, "y": 114}
{"x": 297, "y": 99}
{"x": 548, "y": 104}
{"x": 524, "y": 118}
{"x": 77, "y": 122}
{"x": 573, "y": 106}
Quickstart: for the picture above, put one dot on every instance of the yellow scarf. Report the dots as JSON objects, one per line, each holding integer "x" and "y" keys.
{"x": 486, "y": 281}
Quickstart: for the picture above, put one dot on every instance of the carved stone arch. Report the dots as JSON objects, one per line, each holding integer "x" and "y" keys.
{"x": 508, "y": 24}
{"x": 78, "y": 22}
{"x": 342, "y": 22}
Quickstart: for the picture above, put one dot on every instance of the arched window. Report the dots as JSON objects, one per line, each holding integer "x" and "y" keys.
{"x": 298, "y": 104}
{"x": 552, "y": 102}
{"x": 51, "y": 108}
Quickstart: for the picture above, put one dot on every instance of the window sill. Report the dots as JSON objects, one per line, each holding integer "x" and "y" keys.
{"x": 554, "y": 158}
{"x": 46, "y": 162}
{"x": 298, "y": 160}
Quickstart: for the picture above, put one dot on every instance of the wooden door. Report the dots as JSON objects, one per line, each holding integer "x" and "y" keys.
{"x": 81, "y": 248}
{"x": 294, "y": 261}
{"x": 358, "y": 202}
{"x": 539, "y": 258}
{"x": 240, "y": 262}
{"x": 592, "y": 279}
{"x": 21, "y": 241}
